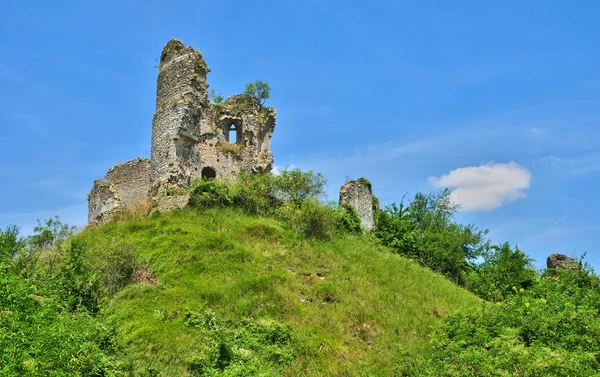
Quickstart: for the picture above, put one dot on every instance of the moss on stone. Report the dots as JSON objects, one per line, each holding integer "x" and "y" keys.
{"x": 234, "y": 150}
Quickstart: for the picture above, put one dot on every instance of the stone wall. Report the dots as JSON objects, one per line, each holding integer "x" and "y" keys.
{"x": 103, "y": 202}
{"x": 131, "y": 181}
{"x": 359, "y": 195}
{"x": 124, "y": 186}
{"x": 251, "y": 151}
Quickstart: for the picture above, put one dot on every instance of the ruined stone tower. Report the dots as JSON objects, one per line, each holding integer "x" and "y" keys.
{"x": 181, "y": 102}
{"x": 191, "y": 138}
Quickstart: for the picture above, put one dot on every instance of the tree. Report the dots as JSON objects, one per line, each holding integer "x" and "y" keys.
{"x": 502, "y": 271}
{"x": 10, "y": 241}
{"x": 297, "y": 186}
{"x": 216, "y": 98}
{"x": 50, "y": 233}
{"x": 425, "y": 230}
{"x": 259, "y": 90}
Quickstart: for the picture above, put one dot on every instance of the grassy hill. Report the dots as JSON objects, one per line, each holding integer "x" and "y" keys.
{"x": 224, "y": 293}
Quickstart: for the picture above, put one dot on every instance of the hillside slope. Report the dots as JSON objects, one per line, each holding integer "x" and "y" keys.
{"x": 232, "y": 294}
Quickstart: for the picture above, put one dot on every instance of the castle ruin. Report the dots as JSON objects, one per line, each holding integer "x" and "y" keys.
{"x": 191, "y": 138}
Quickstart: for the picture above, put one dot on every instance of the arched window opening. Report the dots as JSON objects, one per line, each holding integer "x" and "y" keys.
{"x": 208, "y": 173}
{"x": 233, "y": 133}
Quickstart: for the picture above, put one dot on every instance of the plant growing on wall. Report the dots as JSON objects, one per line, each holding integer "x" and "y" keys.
{"x": 259, "y": 90}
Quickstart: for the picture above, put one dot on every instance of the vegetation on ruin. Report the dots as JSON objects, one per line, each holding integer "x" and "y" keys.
{"x": 233, "y": 149}
{"x": 262, "y": 277}
{"x": 259, "y": 90}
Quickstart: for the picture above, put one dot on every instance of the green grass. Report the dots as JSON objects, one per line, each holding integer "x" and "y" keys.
{"x": 351, "y": 307}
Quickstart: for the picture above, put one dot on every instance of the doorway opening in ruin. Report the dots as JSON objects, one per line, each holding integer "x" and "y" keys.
{"x": 208, "y": 173}
{"x": 232, "y": 133}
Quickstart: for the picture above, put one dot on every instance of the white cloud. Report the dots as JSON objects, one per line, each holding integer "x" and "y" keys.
{"x": 485, "y": 187}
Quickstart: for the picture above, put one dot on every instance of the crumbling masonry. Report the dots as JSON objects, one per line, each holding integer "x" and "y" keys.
{"x": 191, "y": 138}
{"x": 359, "y": 195}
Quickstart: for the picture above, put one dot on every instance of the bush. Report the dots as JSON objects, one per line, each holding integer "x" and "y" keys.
{"x": 118, "y": 267}
{"x": 293, "y": 196}
{"x": 502, "y": 270}
{"x": 312, "y": 218}
{"x": 348, "y": 220}
{"x": 38, "y": 337}
{"x": 254, "y": 193}
{"x": 210, "y": 193}
{"x": 550, "y": 329}
{"x": 296, "y": 186}
{"x": 425, "y": 230}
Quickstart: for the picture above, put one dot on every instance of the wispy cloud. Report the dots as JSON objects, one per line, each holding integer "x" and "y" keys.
{"x": 485, "y": 187}
{"x": 549, "y": 159}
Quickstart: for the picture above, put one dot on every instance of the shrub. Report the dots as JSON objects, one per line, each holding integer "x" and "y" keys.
{"x": 550, "y": 329}
{"x": 295, "y": 185}
{"x": 118, "y": 268}
{"x": 502, "y": 270}
{"x": 312, "y": 218}
{"x": 254, "y": 193}
{"x": 426, "y": 231}
{"x": 210, "y": 193}
{"x": 348, "y": 220}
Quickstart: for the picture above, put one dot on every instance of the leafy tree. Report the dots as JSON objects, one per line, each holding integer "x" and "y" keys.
{"x": 502, "y": 271}
{"x": 10, "y": 242}
{"x": 296, "y": 186}
{"x": 426, "y": 231}
{"x": 259, "y": 90}
{"x": 50, "y": 233}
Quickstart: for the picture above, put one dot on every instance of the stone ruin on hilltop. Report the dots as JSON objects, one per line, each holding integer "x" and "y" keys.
{"x": 191, "y": 138}
{"x": 194, "y": 138}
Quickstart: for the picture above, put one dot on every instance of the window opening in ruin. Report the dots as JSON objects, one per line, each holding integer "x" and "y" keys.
{"x": 232, "y": 133}
{"x": 208, "y": 173}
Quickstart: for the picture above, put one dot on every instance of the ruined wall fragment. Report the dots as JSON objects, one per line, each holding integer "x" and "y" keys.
{"x": 561, "y": 261}
{"x": 131, "y": 180}
{"x": 103, "y": 202}
{"x": 358, "y": 194}
{"x": 251, "y": 151}
{"x": 124, "y": 186}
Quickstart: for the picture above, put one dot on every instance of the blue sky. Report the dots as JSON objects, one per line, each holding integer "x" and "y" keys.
{"x": 500, "y": 101}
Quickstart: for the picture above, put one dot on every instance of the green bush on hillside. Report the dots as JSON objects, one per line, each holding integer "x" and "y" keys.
{"x": 502, "y": 270}
{"x": 425, "y": 230}
{"x": 48, "y": 316}
{"x": 551, "y": 329}
{"x": 292, "y": 196}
